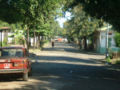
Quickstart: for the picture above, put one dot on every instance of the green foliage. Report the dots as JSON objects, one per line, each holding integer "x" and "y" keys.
{"x": 4, "y": 24}
{"x": 8, "y": 11}
{"x": 18, "y": 35}
{"x": 81, "y": 25}
{"x": 37, "y": 15}
{"x": 44, "y": 29}
{"x": 108, "y": 60}
{"x": 117, "y": 62}
{"x": 29, "y": 12}
{"x": 43, "y": 42}
{"x": 110, "y": 53}
{"x": 4, "y": 43}
{"x": 117, "y": 39}
{"x": 108, "y": 10}
{"x": 19, "y": 40}
{"x": 56, "y": 30}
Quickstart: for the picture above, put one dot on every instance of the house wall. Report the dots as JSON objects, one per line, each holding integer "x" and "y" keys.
{"x": 2, "y": 36}
{"x": 102, "y": 48}
{"x": 112, "y": 40}
{"x": 102, "y": 41}
{"x": 6, "y": 35}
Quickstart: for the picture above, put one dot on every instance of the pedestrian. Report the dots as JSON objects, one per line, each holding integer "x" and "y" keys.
{"x": 52, "y": 43}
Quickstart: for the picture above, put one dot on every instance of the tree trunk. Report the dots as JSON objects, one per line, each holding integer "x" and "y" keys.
{"x": 34, "y": 39}
{"x": 41, "y": 41}
{"x": 80, "y": 43}
{"x": 38, "y": 41}
{"x": 85, "y": 42}
{"x": 92, "y": 45}
{"x": 27, "y": 39}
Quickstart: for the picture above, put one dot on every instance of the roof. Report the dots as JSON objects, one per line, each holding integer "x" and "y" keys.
{"x": 5, "y": 28}
{"x": 104, "y": 28}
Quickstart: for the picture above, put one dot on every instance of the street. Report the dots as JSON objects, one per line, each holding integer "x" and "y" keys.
{"x": 65, "y": 68}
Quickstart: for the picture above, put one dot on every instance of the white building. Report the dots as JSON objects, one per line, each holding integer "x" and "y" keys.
{"x": 101, "y": 39}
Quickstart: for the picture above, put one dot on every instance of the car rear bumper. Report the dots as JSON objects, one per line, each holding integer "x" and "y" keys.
{"x": 5, "y": 71}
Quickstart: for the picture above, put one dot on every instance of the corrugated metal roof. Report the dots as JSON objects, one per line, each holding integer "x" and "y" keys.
{"x": 104, "y": 28}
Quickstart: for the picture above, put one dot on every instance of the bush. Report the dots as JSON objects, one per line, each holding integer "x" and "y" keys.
{"x": 4, "y": 43}
{"x": 19, "y": 40}
{"x": 42, "y": 43}
{"x": 117, "y": 39}
{"x": 110, "y": 53}
{"x": 117, "y": 62}
{"x": 108, "y": 60}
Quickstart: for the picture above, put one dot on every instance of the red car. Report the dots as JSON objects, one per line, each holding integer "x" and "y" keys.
{"x": 14, "y": 60}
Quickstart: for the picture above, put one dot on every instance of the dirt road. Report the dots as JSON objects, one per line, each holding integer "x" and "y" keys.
{"x": 65, "y": 68}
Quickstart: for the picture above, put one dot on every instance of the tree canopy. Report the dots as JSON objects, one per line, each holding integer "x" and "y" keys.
{"x": 81, "y": 25}
{"x": 32, "y": 15}
{"x": 107, "y": 10}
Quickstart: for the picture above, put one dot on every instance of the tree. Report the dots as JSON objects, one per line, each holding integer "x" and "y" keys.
{"x": 30, "y": 13}
{"x": 108, "y": 10}
{"x": 117, "y": 39}
{"x": 82, "y": 25}
{"x": 8, "y": 11}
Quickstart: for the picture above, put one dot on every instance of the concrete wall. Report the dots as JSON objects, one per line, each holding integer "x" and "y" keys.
{"x": 102, "y": 42}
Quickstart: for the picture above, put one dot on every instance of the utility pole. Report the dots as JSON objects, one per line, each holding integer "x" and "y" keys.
{"x": 107, "y": 41}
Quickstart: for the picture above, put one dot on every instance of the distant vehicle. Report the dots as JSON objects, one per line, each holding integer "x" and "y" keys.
{"x": 14, "y": 60}
{"x": 60, "y": 39}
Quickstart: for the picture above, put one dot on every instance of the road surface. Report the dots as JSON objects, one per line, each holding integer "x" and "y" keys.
{"x": 65, "y": 68}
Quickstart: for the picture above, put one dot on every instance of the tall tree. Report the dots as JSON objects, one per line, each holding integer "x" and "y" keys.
{"x": 29, "y": 13}
{"x": 82, "y": 25}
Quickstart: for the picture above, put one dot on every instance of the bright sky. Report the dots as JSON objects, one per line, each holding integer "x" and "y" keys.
{"x": 61, "y": 20}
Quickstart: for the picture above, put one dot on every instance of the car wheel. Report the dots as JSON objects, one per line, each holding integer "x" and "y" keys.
{"x": 25, "y": 76}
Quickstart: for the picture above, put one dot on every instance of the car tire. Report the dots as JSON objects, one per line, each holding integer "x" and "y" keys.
{"x": 25, "y": 76}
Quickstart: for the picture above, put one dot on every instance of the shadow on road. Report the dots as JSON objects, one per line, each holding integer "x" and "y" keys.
{"x": 71, "y": 48}
{"x": 66, "y": 59}
{"x": 70, "y": 73}
{"x": 59, "y": 76}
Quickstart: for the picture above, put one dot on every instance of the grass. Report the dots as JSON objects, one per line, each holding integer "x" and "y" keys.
{"x": 117, "y": 61}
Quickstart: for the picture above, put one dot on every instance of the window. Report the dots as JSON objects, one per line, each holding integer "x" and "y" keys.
{"x": 12, "y": 53}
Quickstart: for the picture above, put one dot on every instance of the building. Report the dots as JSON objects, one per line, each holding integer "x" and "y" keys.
{"x": 100, "y": 39}
{"x": 4, "y": 34}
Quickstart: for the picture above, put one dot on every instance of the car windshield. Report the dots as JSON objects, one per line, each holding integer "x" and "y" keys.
{"x": 12, "y": 53}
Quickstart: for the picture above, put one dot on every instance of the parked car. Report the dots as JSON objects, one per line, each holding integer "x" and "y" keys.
{"x": 14, "y": 60}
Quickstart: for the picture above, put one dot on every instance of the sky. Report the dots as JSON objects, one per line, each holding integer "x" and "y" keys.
{"x": 61, "y": 20}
